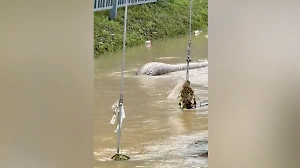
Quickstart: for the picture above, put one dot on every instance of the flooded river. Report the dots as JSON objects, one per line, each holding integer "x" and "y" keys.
{"x": 155, "y": 132}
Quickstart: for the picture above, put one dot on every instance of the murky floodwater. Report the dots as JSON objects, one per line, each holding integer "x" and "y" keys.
{"x": 155, "y": 133}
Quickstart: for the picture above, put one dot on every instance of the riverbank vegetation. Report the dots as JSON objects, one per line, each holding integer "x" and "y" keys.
{"x": 153, "y": 21}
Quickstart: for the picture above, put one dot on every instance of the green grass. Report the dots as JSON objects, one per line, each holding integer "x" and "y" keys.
{"x": 153, "y": 21}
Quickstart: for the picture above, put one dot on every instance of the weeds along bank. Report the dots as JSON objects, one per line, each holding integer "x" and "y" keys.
{"x": 153, "y": 21}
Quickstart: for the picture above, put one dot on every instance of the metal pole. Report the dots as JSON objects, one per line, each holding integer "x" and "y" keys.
{"x": 113, "y": 10}
{"x": 122, "y": 79}
{"x": 97, "y": 4}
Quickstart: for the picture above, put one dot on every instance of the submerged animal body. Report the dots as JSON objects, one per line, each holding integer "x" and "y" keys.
{"x": 159, "y": 68}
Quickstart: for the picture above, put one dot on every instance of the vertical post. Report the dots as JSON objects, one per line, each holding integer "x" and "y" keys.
{"x": 113, "y": 10}
{"x": 105, "y": 3}
{"x": 96, "y": 4}
{"x": 122, "y": 77}
{"x": 118, "y": 156}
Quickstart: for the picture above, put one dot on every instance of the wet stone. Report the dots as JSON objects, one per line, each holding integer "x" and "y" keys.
{"x": 199, "y": 153}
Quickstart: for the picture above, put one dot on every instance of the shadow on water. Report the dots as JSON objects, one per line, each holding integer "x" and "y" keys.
{"x": 155, "y": 133}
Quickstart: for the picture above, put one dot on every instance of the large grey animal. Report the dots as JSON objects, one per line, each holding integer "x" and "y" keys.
{"x": 159, "y": 68}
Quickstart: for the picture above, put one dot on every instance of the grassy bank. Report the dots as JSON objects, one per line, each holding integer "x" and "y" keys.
{"x": 154, "y": 21}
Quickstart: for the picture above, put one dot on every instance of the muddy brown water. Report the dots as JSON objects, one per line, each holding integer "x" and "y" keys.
{"x": 155, "y": 133}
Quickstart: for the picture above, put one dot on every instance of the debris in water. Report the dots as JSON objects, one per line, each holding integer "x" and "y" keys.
{"x": 197, "y": 32}
{"x": 148, "y": 43}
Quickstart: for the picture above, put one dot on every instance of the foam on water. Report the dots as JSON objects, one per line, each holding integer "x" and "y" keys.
{"x": 176, "y": 149}
{"x": 162, "y": 58}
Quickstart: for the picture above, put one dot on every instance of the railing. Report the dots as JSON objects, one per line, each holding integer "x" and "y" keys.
{"x": 108, "y": 4}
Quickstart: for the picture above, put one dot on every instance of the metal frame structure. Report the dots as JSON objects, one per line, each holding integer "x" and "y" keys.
{"x": 100, "y": 5}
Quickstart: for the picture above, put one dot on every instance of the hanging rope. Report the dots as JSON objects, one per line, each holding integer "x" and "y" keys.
{"x": 188, "y": 60}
